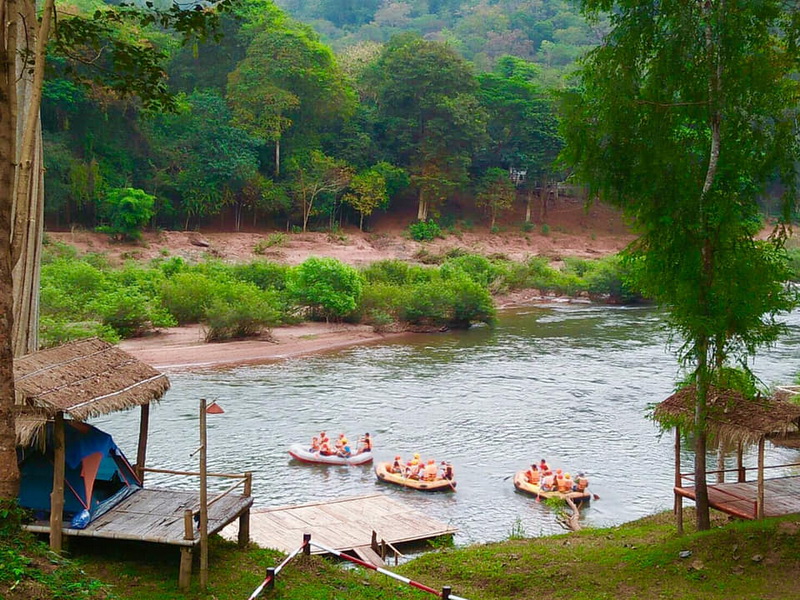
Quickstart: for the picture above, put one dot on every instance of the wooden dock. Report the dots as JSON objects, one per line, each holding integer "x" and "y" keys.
{"x": 781, "y": 497}
{"x": 155, "y": 515}
{"x": 344, "y": 524}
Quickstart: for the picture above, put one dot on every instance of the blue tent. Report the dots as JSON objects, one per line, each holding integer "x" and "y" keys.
{"x": 97, "y": 474}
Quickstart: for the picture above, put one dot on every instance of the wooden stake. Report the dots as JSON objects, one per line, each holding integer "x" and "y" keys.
{"x": 760, "y": 501}
{"x": 742, "y": 474}
{"x": 678, "y": 482}
{"x": 141, "y": 451}
{"x": 203, "y": 498}
{"x": 244, "y": 520}
{"x": 57, "y": 495}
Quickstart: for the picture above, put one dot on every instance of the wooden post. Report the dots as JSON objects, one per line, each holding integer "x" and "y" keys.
{"x": 678, "y": 497}
{"x": 307, "y": 544}
{"x": 141, "y": 451}
{"x": 760, "y": 501}
{"x": 203, "y": 498}
{"x": 742, "y": 474}
{"x": 446, "y": 592}
{"x": 57, "y": 494}
{"x": 720, "y": 464}
{"x": 244, "y": 519}
{"x": 374, "y": 542}
{"x": 185, "y": 571}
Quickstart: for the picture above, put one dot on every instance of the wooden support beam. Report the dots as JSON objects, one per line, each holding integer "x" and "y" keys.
{"x": 185, "y": 572}
{"x": 742, "y": 474}
{"x": 720, "y": 464}
{"x": 678, "y": 498}
{"x": 244, "y": 519}
{"x": 57, "y": 494}
{"x": 760, "y": 501}
{"x": 141, "y": 450}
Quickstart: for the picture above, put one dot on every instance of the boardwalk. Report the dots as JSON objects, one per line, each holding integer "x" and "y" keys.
{"x": 781, "y": 497}
{"x": 342, "y": 524}
{"x": 156, "y": 515}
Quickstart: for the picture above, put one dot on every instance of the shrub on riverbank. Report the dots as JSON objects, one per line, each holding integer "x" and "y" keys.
{"x": 84, "y": 296}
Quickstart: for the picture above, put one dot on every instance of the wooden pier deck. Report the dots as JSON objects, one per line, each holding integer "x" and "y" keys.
{"x": 781, "y": 497}
{"x": 156, "y": 515}
{"x": 344, "y": 524}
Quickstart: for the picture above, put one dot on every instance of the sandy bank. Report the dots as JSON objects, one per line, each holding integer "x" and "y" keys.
{"x": 183, "y": 348}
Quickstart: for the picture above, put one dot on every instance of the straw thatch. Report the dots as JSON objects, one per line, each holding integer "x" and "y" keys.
{"x": 83, "y": 379}
{"x": 732, "y": 418}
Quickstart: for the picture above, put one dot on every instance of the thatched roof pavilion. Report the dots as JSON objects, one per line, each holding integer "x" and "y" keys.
{"x": 79, "y": 380}
{"x": 734, "y": 421}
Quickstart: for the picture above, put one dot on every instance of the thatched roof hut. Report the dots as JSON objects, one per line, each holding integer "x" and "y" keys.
{"x": 82, "y": 379}
{"x": 733, "y": 419}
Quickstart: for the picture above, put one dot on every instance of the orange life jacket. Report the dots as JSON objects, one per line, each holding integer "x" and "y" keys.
{"x": 431, "y": 471}
{"x": 563, "y": 484}
{"x": 534, "y": 476}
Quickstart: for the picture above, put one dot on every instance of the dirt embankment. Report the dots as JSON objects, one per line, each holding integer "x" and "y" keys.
{"x": 570, "y": 230}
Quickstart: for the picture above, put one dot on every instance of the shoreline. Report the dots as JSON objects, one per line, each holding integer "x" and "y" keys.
{"x": 177, "y": 349}
{"x": 184, "y": 349}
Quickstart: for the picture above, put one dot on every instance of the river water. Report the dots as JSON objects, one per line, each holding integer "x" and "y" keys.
{"x": 569, "y": 383}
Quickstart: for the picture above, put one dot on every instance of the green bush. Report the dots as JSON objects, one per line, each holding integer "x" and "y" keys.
{"x": 471, "y": 302}
{"x": 188, "y": 295}
{"x": 264, "y": 274}
{"x": 329, "y": 288}
{"x": 428, "y": 304}
{"x": 424, "y": 231}
{"x": 55, "y": 331}
{"x": 272, "y": 240}
{"x": 129, "y": 312}
{"x": 125, "y": 212}
{"x": 396, "y": 272}
{"x": 478, "y": 268}
{"x": 241, "y": 310}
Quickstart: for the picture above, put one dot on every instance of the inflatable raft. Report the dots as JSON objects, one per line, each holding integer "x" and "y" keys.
{"x": 303, "y": 454}
{"x": 382, "y": 470}
{"x": 522, "y": 484}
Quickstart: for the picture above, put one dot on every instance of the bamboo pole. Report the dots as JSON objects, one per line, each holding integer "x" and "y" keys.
{"x": 194, "y": 473}
{"x": 741, "y": 473}
{"x": 678, "y": 497}
{"x": 203, "y": 498}
{"x": 760, "y": 501}
{"x": 57, "y": 495}
{"x": 141, "y": 451}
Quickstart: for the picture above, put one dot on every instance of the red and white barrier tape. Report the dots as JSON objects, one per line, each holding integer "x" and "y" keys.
{"x": 405, "y": 580}
{"x": 257, "y": 592}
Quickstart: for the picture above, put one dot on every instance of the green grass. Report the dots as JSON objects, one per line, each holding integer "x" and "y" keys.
{"x": 639, "y": 560}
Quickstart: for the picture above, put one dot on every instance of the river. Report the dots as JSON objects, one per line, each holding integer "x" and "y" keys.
{"x": 569, "y": 383}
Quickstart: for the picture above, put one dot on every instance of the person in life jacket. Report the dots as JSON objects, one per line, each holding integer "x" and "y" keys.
{"x": 548, "y": 481}
{"x": 325, "y": 448}
{"x": 397, "y": 465}
{"x": 543, "y": 468}
{"x": 314, "y": 444}
{"x": 344, "y": 451}
{"x": 366, "y": 444}
{"x": 568, "y": 482}
{"x": 341, "y": 442}
{"x": 414, "y": 461}
{"x": 581, "y": 483}
{"x": 431, "y": 470}
{"x": 447, "y": 470}
{"x": 415, "y": 470}
{"x": 561, "y": 484}
{"x": 533, "y": 475}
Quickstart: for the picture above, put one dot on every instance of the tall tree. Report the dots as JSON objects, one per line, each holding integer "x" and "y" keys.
{"x": 126, "y": 66}
{"x": 429, "y": 113}
{"x": 682, "y": 116}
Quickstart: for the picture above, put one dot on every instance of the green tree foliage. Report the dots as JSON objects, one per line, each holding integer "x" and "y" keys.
{"x": 126, "y": 211}
{"x": 316, "y": 176}
{"x": 367, "y": 192}
{"x": 496, "y": 193}
{"x": 682, "y": 116}
{"x": 207, "y": 161}
{"x": 430, "y": 114}
{"x": 329, "y": 288}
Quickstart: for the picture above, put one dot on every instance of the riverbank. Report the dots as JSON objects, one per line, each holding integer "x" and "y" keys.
{"x": 184, "y": 348}
{"x": 640, "y": 560}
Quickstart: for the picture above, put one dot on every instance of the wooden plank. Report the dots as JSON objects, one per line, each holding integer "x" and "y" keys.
{"x": 367, "y": 554}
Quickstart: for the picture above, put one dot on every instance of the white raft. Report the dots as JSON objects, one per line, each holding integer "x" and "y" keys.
{"x": 303, "y": 454}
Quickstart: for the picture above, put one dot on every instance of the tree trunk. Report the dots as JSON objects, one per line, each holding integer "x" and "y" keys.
{"x": 277, "y": 158}
{"x": 361, "y": 222}
{"x": 422, "y": 207}
{"x": 529, "y": 199}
